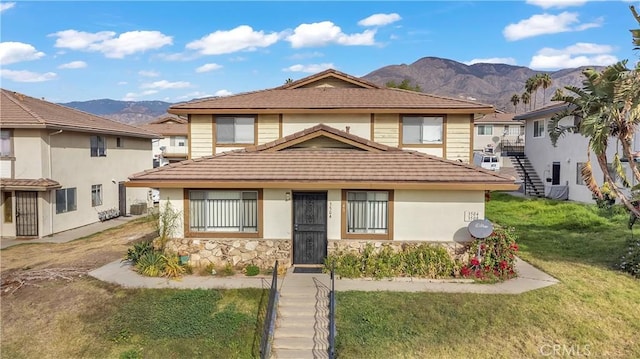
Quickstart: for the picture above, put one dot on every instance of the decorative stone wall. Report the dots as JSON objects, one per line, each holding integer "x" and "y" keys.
{"x": 237, "y": 252}
{"x": 456, "y": 250}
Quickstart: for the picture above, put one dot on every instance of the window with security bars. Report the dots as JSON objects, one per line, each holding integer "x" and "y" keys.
{"x": 231, "y": 130}
{"x": 223, "y": 211}
{"x": 368, "y": 212}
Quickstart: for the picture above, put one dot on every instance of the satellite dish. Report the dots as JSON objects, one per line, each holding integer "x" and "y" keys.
{"x": 481, "y": 228}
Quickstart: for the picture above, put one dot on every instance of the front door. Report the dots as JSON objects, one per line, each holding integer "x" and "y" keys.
{"x": 26, "y": 214}
{"x": 309, "y": 227}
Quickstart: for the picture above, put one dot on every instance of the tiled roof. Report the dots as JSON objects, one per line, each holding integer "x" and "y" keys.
{"x": 274, "y": 166}
{"x": 41, "y": 184}
{"x": 361, "y": 95}
{"x": 544, "y": 112}
{"x": 506, "y": 118}
{"x": 167, "y": 129}
{"x": 20, "y": 111}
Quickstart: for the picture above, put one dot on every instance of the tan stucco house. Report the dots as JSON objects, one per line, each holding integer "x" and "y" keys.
{"x": 323, "y": 163}
{"x": 493, "y": 130}
{"x": 174, "y": 144}
{"x": 60, "y": 167}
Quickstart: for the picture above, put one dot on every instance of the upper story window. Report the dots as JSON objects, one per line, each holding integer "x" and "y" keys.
{"x": 513, "y": 130}
{"x": 422, "y": 129}
{"x": 6, "y": 147}
{"x": 235, "y": 129}
{"x": 98, "y": 146}
{"x": 178, "y": 141}
{"x": 119, "y": 142}
{"x": 538, "y": 128}
{"x": 485, "y": 129}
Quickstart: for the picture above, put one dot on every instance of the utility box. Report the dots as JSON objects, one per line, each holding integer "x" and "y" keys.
{"x": 138, "y": 209}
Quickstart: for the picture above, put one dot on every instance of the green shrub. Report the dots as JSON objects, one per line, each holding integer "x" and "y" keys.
{"x": 227, "y": 270}
{"x": 424, "y": 260}
{"x": 138, "y": 250}
{"x": 151, "y": 264}
{"x": 492, "y": 258}
{"x": 252, "y": 270}
{"x": 630, "y": 261}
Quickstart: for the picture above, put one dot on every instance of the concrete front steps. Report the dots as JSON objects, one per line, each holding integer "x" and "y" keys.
{"x": 302, "y": 328}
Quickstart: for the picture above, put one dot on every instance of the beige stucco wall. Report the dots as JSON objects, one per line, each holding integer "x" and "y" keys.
{"x": 268, "y": 128}
{"x": 175, "y": 198}
{"x": 201, "y": 136}
{"x": 435, "y": 151}
{"x": 386, "y": 129}
{"x": 359, "y": 124}
{"x": 435, "y": 216}
{"x": 30, "y": 151}
{"x": 458, "y": 137}
{"x": 277, "y": 213}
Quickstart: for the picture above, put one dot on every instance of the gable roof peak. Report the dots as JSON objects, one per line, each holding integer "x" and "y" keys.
{"x": 326, "y": 74}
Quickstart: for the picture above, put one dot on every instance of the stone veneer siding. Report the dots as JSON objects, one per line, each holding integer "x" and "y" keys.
{"x": 264, "y": 252}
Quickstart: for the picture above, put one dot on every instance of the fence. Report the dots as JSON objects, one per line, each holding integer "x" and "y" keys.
{"x": 332, "y": 317}
{"x": 270, "y": 317}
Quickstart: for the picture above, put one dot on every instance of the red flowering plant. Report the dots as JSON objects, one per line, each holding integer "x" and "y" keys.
{"x": 492, "y": 258}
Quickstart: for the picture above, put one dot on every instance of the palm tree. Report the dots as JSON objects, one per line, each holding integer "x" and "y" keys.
{"x": 545, "y": 82}
{"x": 530, "y": 87}
{"x": 526, "y": 98}
{"x": 288, "y": 81}
{"x": 515, "y": 99}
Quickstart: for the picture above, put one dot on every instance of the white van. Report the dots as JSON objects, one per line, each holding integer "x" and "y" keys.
{"x": 487, "y": 161}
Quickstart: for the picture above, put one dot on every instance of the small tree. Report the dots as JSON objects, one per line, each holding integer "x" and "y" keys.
{"x": 167, "y": 223}
{"x": 404, "y": 85}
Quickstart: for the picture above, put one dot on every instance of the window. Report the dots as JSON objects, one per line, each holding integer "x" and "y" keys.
{"x": 235, "y": 130}
{"x": 96, "y": 195}
{"x": 65, "y": 200}
{"x": 119, "y": 142}
{"x": 368, "y": 212}
{"x": 98, "y": 146}
{"x": 538, "y": 128}
{"x": 223, "y": 211}
{"x": 513, "y": 130}
{"x": 7, "y": 202}
{"x": 5, "y": 143}
{"x": 485, "y": 130}
{"x": 579, "y": 179}
{"x": 178, "y": 141}
{"x": 422, "y": 130}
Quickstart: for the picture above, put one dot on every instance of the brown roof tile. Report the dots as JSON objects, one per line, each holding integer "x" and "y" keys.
{"x": 497, "y": 117}
{"x": 20, "y": 111}
{"x": 41, "y": 184}
{"x": 356, "y": 167}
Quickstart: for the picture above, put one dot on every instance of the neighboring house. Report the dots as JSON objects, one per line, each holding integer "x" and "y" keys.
{"x": 494, "y": 129}
{"x": 174, "y": 146}
{"x": 325, "y": 163}
{"x": 559, "y": 168}
{"x": 60, "y": 167}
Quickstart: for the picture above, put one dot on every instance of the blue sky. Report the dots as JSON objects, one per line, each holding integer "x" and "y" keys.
{"x": 176, "y": 51}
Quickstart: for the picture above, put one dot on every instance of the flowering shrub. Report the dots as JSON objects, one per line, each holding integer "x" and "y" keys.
{"x": 492, "y": 258}
{"x": 630, "y": 261}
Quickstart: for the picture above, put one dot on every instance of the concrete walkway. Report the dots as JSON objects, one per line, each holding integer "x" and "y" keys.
{"x": 529, "y": 278}
{"x": 70, "y": 235}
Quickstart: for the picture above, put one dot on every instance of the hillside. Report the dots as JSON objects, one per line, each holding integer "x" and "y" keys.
{"x": 487, "y": 83}
{"x": 130, "y": 112}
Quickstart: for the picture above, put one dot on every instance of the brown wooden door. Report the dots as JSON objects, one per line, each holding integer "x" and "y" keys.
{"x": 309, "y": 227}
{"x": 26, "y": 214}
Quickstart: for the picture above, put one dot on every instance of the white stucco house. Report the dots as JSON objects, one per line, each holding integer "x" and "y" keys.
{"x": 174, "y": 144}
{"x": 559, "y": 167}
{"x": 60, "y": 167}
{"x": 325, "y": 163}
{"x": 492, "y": 130}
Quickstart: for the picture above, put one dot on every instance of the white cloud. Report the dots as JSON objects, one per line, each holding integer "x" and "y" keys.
{"x": 312, "y": 68}
{"x": 242, "y": 38}
{"x": 579, "y": 54}
{"x": 164, "y": 84}
{"x": 105, "y": 42}
{"x": 547, "y": 4}
{"x": 546, "y": 24}
{"x": 223, "y": 93}
{"x": 12, "y": 52}
{"x": 27, "y": 76}
{"x": 73, "y": 65}
{"x": 147, "y": 73}
{"x": 380, "y": 20}
{"x": 6, "y": 6}
{"x": 192, "y": 95}
{"x": 325, "y": 33}
{"x": 132, "y": 96}
{"x": 208, "y": 67}
{"x": 306, "y": 55}
{"x": 493, "y": 60}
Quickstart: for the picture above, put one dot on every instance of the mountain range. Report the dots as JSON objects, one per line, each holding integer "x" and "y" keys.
{"x": 493, "y": 84}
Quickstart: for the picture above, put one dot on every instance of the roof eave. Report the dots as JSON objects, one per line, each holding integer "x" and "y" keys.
{"x": 408, "y": 110}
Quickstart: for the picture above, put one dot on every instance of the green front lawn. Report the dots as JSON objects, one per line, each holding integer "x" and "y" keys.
{"x": 594, "y": 310}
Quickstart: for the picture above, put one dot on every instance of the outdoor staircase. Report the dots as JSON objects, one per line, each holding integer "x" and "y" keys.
{"x": 533, "y": 186}
{"x": 302, "y": 328}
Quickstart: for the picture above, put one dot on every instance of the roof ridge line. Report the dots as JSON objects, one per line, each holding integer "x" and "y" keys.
{"x": 15, "y": 100}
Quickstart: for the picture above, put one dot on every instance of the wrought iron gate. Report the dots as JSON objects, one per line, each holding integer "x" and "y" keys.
{"x": 26, "y": 214}
{"x": 309, "y": 227}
